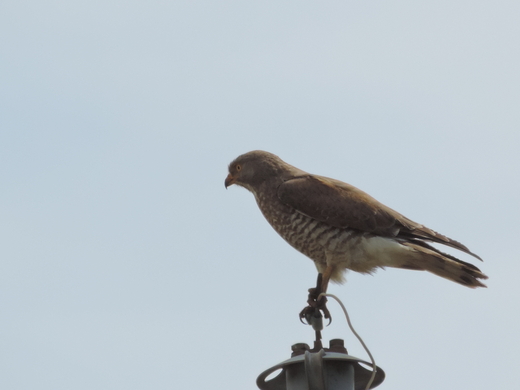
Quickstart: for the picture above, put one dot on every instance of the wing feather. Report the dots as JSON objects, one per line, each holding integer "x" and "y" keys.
{"x": 345, "y": 206}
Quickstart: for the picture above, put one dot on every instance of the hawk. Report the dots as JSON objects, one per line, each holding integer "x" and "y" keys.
{"x": 342, "y": 228}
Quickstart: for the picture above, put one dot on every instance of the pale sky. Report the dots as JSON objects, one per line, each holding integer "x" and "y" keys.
{"x": 125, "y": 264}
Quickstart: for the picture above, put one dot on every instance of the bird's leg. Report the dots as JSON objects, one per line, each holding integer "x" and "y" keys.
{"x": 321, "y": 303}
{"x": 326, "y": 278}
{"x": 317, "y": 304}
{"x": 314, "y": 292}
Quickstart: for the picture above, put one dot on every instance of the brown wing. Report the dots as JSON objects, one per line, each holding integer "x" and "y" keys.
{"x": 345, "y": 206}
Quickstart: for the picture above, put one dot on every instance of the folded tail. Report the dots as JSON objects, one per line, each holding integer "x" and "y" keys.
{"x": 424, "y": 257}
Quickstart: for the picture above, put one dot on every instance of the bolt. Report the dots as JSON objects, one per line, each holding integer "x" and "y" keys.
{"x": 337, "y": 345}
{"x": 299, "y": 349}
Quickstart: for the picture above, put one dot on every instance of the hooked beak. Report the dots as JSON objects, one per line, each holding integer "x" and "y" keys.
{"x": 230, "y": 180}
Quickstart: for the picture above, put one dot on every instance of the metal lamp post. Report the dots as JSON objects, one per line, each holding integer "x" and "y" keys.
{"x": 324, "y": 369}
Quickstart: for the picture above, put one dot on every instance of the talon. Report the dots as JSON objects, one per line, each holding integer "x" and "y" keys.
{"x": 313, "y": 312}
{"x": 313, "y": 317}
{"x": 320, "y": 303}
{"x": 303, "y": 314}
{"x": 316, "y": 305}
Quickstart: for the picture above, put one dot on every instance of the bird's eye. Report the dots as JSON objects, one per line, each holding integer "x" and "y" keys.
{"x": 238, "y": 167}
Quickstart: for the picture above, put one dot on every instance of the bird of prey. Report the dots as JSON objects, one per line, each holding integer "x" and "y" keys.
{"x": 341, "y": 227}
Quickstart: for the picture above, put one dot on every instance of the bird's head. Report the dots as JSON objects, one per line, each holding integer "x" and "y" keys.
{"x": 252, "y": 169}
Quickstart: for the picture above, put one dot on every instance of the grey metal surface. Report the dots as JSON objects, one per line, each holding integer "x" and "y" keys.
{"x": 314, "y": 370}
{"x": 322, "y": 370}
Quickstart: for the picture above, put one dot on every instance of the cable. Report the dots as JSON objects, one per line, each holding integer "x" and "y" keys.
{"x": 373, "y": 376}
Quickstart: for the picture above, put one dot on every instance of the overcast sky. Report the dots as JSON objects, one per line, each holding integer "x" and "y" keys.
{"x": 125, "y": 264}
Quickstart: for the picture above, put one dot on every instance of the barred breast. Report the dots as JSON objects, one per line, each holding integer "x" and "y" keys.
{"x": 322, "y": 243}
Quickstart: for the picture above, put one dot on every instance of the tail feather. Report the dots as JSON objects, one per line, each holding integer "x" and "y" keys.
{"x": 427, "y": 258}
{"x": 413, "y": 231}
